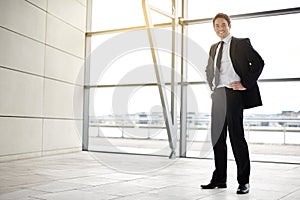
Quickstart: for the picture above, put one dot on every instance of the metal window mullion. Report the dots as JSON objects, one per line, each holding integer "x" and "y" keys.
{"x": 269, "y": 13}
{"x": 183, "y": 93}
{"x": 86, "y": 90}
{"x": 173, "y": 71}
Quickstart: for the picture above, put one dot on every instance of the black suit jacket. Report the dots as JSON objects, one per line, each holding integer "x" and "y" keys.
{"x": 247, "y": 63}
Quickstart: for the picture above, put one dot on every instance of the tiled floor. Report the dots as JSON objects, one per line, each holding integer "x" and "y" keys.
{"x": 87, "y": 175}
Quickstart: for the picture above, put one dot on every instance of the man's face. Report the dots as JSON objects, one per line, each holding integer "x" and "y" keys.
{"x": 221, "y": 27}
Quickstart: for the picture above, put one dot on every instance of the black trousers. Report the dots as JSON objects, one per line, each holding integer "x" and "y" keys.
{"x": 227, "y": 113}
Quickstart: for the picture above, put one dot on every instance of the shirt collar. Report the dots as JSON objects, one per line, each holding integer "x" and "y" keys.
{"x": 227, "y": 39}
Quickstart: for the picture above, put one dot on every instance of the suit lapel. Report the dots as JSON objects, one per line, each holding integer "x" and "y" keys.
{"x": 232, "y": 49}
{"x": 233, "y": 52}
{"x": 213, "y": 52}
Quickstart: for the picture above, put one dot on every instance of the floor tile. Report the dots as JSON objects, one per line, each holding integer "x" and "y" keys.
{"x": 82, "y": 176}
{"x": 75, "y": 195}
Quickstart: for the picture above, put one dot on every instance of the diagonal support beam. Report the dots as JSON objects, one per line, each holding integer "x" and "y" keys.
{"x": 169, "y": 119}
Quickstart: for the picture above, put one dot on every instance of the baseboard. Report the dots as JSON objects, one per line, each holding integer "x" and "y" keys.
{"x": 20, "y": 156}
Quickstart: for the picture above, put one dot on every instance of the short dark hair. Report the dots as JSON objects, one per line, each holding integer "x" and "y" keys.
{"x": 224, "y": 16}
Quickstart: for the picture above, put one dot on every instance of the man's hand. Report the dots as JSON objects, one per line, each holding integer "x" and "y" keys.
{"x": 237, "y": 86}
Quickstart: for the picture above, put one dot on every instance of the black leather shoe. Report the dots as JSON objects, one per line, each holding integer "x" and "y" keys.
{"x": 214, "y": 185}
{"x": 243, "y": 189}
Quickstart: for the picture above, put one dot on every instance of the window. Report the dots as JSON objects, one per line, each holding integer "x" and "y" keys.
{"x": 124, "y": 103}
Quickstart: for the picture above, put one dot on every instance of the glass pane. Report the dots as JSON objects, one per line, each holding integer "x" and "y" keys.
{"x": 207, "y": 9}
{"x": 198, "y": 120}
{"x": 278, "y": 97}
{"x": 280, "y": 51}
{"x": 281, "y": 54}
{"x": 272, "y": 130}
{"x": 127, "y": 120}
{"x": 114, "y": 14}
{"x": 126, "y": 58}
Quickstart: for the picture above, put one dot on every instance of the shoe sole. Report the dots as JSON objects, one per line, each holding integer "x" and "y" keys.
{"x": 240, "y": 192}
{"x": 216, "y": 187}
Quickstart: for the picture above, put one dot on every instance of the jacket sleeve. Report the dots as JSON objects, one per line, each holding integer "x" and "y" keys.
{"x": 255, "y": 65}
{"x": 210, "y": 69}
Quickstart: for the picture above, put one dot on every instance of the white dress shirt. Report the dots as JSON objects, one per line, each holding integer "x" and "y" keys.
{"x": 227, "y": 73}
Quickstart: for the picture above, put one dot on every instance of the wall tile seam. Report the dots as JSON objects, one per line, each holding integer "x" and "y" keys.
{"x": 21, "y": 34}
{"x": 84, "y": 5}
{"x": 56, "y": 151}
{"x": 26, "y": 156}
{"x": 66, "y": 148}
{"x": 40, "y": 152}
{"x": 36, "y": 5}
{"x": 17, "y": 154}
{"x": 61, "y": 19}
{"x": 42, "y": 76}
{"x": 44, "y": 80}
{"x": 44, "y": 43}
{"x": 64, "y": 21}
{"x": 71, "y": 54}
{"x": 41, "y": 118}
{"x": 36, "y": 8}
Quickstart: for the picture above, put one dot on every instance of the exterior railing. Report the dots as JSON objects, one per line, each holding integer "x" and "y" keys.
{"x": 283, "y": 126}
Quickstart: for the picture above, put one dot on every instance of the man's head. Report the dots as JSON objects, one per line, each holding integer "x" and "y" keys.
{"x": 222, "y": 25}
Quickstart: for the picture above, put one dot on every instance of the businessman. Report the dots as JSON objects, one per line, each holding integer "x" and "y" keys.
{"x": 232, "y": 73}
